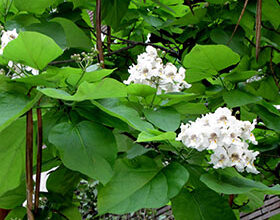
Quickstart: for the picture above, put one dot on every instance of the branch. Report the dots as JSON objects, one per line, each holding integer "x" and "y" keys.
{"x": 172, "y": 52}
{"x": 98, "y": 32}
{"x": 29, "y": 163}
{"x": 238, "y": 22}
{"x": 39, "y": 158}
{"x": 258, "y": 27}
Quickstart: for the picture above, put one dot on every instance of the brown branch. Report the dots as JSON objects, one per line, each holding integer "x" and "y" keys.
{"x": 29, "y": 163}
{"x": 39, "y": 158}
{"x": 238, "y": 22}
{"x": 272, "y": 70}
{"x": 109, "y": 40}
{"x": 4, "y": 213}
{"x": 98, "y": 33}
{"x": 230, "y": 200}
{"x": 258, "y": 27}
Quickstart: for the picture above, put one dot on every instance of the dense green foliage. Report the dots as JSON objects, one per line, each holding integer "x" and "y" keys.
{"x": 97, "y": 128}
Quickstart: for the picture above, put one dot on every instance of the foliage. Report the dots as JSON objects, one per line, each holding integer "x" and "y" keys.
{"x": 123, "y": 136}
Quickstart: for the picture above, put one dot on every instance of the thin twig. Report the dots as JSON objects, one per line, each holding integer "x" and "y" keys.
{"x": 258, "y": 27}
{"x": 270, "y": 29}
{"x": 98, "y": 32}
{"x": 29, "y": 163}
{"x": 238, "y": 22}
{"x": 171, "y": 52}
{"x": 39, "y": 157}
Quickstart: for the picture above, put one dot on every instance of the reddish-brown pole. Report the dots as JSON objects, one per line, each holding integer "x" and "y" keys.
{"x": 98, "y": 33}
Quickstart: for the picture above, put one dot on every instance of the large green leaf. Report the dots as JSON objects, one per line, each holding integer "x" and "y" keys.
{"x": 14, "y": 105}
{"x": 63, "y": 181}
{"x": 270, "y": 10}
{"x": 113, "y": 11}
{"x": 201, "y": 204}
{"x": 51, "y": 29}
{"x": 12, "y": 157}
{"x": 140, "y": 183}
{"x": 140, "y": 90}
{"x": 32, "y": 49}
{"x": 13, "y": 198}
{"x": 75, "y": 37}
{"x": 86, "y": 147}
{"x": 210, "y": 58}
{"x": 124, "y": 112}
{"x": 33, "y": 6}
{"x": 236, "y": 184}
{"x": 237, "y": 97}
{"x": 166, "y": 119}
{"x": 106, "y": 88}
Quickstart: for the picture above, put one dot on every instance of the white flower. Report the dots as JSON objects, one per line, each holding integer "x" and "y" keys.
{"x": 7, "y": 36}
{"x": 226, "y": 136}
{"x": 151, "y": 71}
{"x": 220, "y": 158}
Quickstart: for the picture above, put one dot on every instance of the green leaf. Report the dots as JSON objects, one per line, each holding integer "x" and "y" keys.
{"x": 201, "y": 204}
{"x": 124, "y": 112}
{"x": 113, "y": 11}
{"x": 270, "y": 119}
{"x": 13, "y": 198}
{"x": 63, "y": 181}
{"x": 236, "y": 184}
{"x": 12, "y": 157}
{"x": 106, "y": 88}
{"x": 72, "y": 213}
{"x": 190, "y": 18}
{"x": 237, "y": 97}
{"x": 32, "y": 49}
{"x": 137, "y": 150}
{"x": 51, "y": 29}
{"x": 270, "y": 11}
{"x": 236, "y": 76}
{"x": 53, "y": 77}
{"x": 191, "y": 108}
{"x": 210, "y": 58}
{"x": 145, "y": 136}
{"x": 140, "y": 90}
{"x": 140, "y": 183}
{"x": 86, "y": 147}
{"x": 17, "y": 213}
{"x": 166, "y": 119}
{"x": 194, "y": 75}
{"x": 14, "y": 105}
{"x": 33, "y": 6}
{"x": 75, "y": 37}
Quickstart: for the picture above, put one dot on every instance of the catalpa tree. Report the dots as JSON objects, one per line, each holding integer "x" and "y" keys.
{"x": 163, "y": 102}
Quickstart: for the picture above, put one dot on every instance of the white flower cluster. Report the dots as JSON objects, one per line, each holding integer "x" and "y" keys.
{"x": 226, "y": 136}
{"x": 20, "y": 70}
{"x": 151, "y": 71}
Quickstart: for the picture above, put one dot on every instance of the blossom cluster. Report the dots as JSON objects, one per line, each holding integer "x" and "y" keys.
{"x": 151, "y": 71}
{"x": 18, "y": 70}
{"x": 226, "y": 136}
